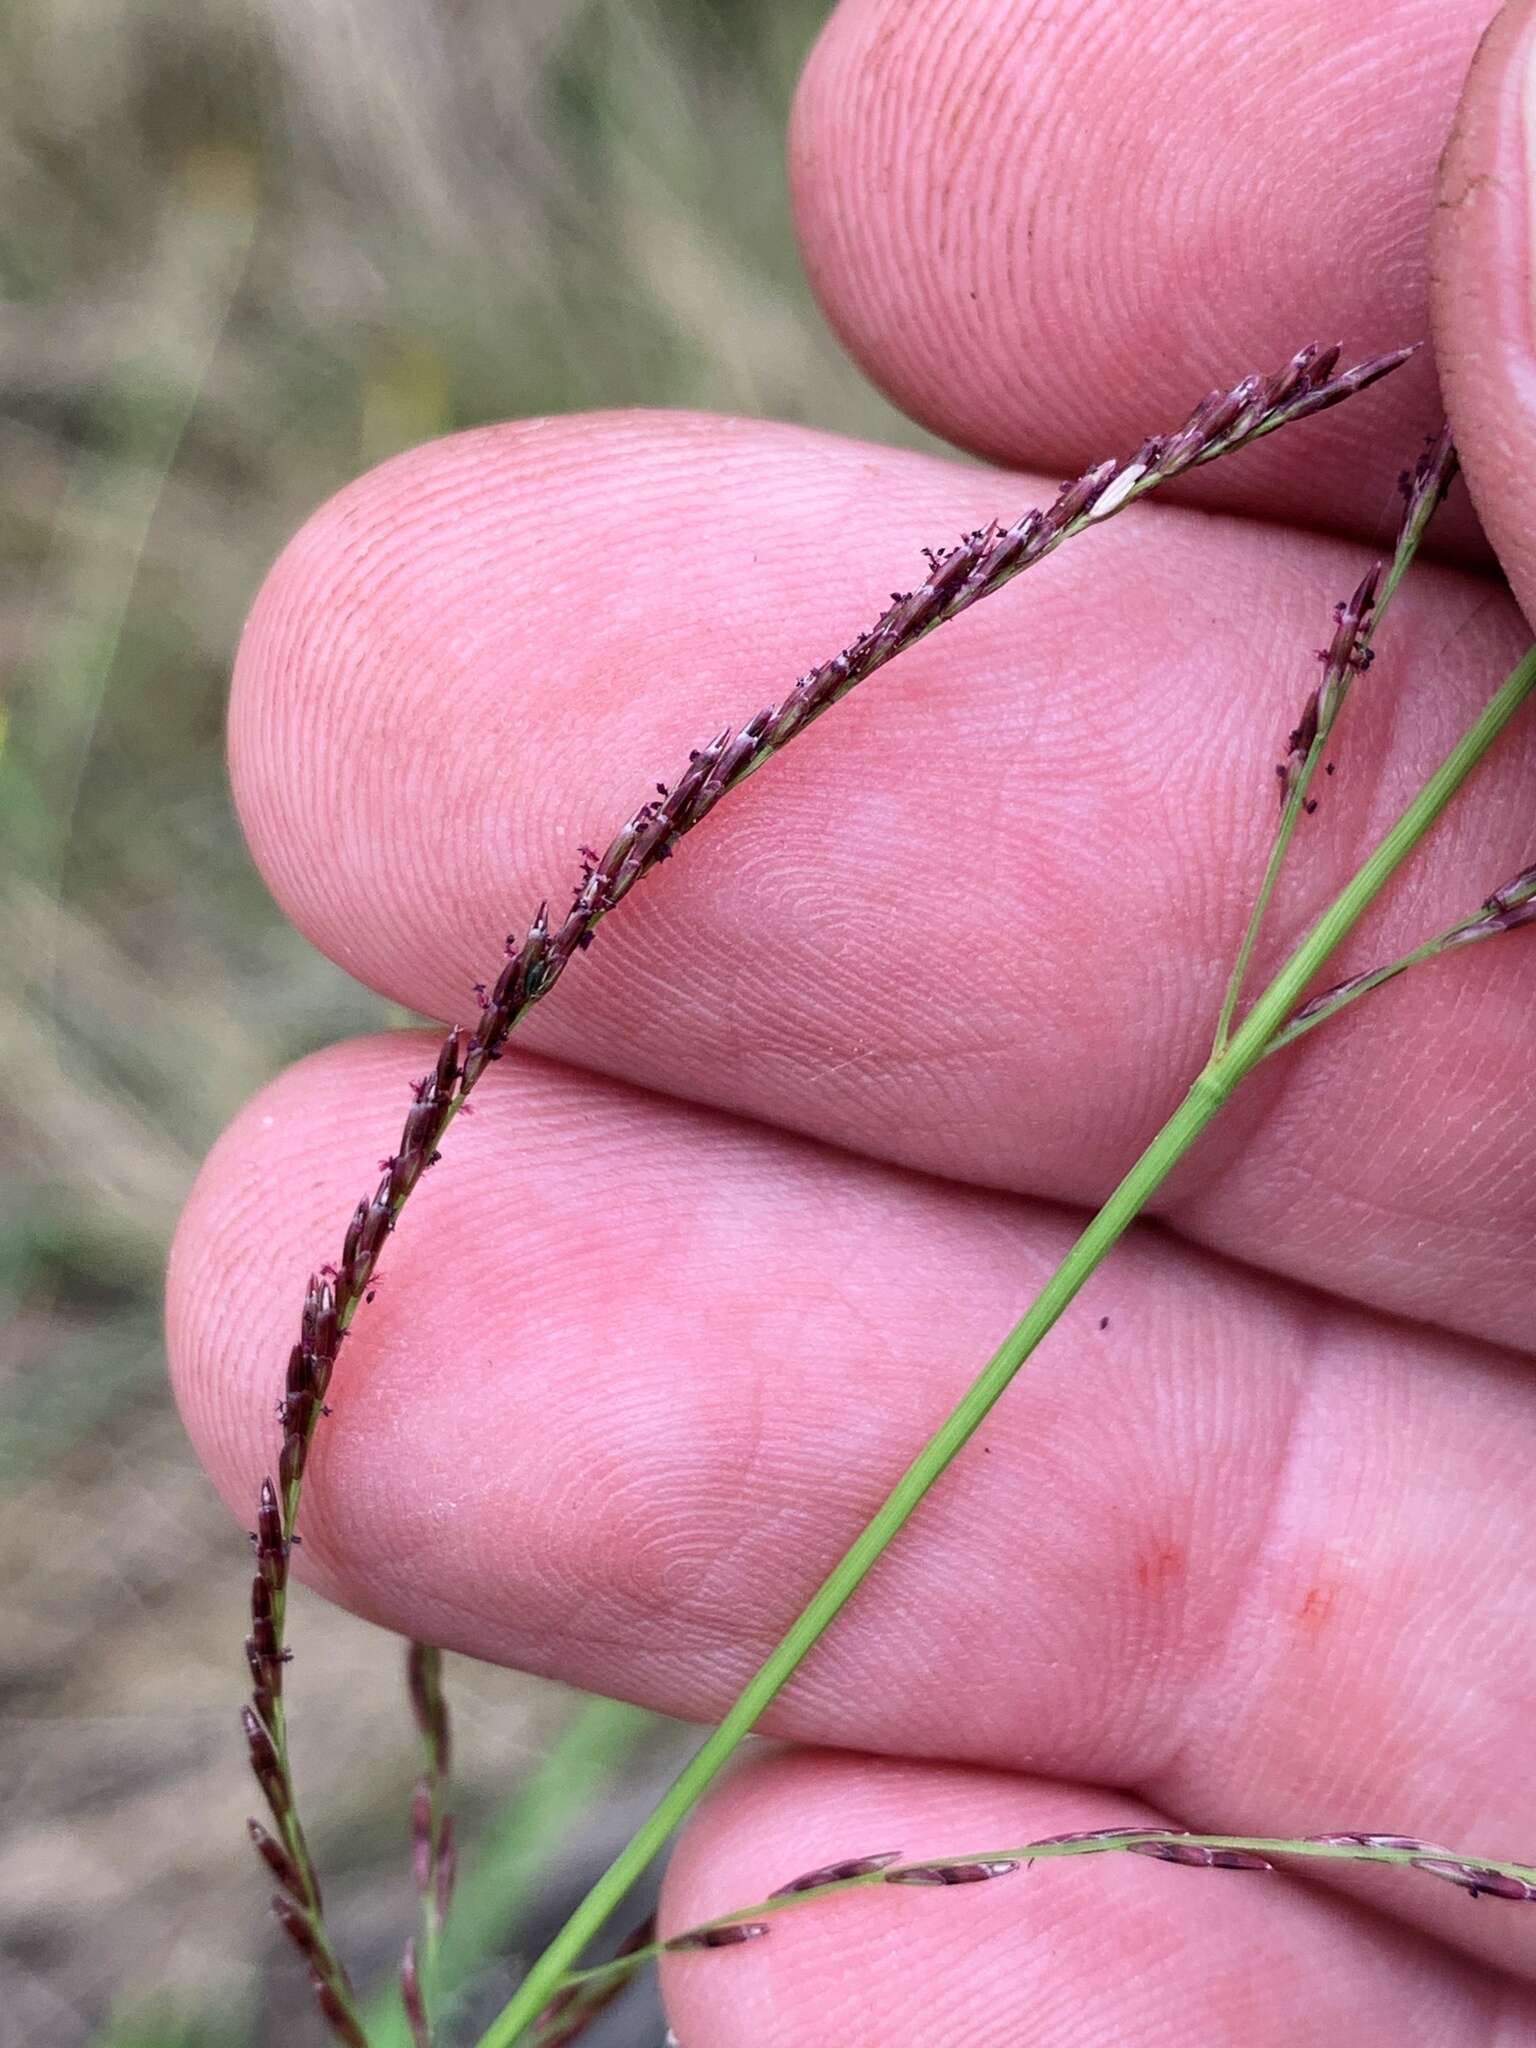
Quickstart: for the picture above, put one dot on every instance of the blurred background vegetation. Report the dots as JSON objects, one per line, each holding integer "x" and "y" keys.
{"x": 248, "y": 248}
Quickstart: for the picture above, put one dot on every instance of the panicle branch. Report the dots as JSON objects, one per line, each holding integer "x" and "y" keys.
{"x": 432, "y": 1839}
{"x": 412, "y": 2002}
{"x": 1506, "y": 910}
{"x": 1478, "y": 1878}
{"x": 1348, "y": 654}
{"x": 297, "y": 1906}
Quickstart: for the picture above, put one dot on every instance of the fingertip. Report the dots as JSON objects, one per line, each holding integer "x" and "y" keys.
{"x": 868, "y": 1964}
{"x": 250, "y": 1232}
{"x": 1064, "y": 1953}
{"x": 479, "y": 654}
{"x": 1039, "y": 228}
{"x": 1484, "y": 317}
{"x": 389, "y": 641}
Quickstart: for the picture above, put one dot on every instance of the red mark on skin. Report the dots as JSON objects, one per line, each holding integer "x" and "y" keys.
{"x": 1159, "y": 1567}
{"x": 1316, "y": 1608}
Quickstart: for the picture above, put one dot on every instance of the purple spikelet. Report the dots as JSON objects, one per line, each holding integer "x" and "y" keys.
{"x": 836, "y": 1873}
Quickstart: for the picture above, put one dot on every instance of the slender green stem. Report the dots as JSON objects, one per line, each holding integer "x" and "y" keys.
{"x": 1177, "y": 1135}
{"x": 1261, "y": 901}
{"x": 1207, "y": 1095}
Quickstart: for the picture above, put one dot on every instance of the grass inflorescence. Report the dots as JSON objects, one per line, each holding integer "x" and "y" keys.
{"x": 557, "y": 1999}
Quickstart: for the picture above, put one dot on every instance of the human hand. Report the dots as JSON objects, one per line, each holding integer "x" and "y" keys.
{"x": 1257, "y": 1553}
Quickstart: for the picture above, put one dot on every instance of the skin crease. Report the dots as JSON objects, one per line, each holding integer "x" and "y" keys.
{"x": 1259, "y": 1554}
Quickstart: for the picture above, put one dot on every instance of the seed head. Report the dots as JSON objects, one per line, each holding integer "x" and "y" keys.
{"x": 837, "y": 1873}
{"x": 1476, "y": 1879}
{"x": 1199, "y": 1856}
{"x": 952, "y": 1873}
{"x": 717, "y": 1937}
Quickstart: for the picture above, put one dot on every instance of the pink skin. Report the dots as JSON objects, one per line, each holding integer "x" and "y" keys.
{"x": 1261, "y": 1554}
{"x": 1484, "y": 315}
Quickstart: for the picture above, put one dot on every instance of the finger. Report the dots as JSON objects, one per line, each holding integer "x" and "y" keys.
{"x": 637, "y": 1374}
{"x": 1061, "y": 1955}
{"x": 1485, "y": 323}
{"x": 1031, "y": 225}
{"x": 979, "y": 920}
